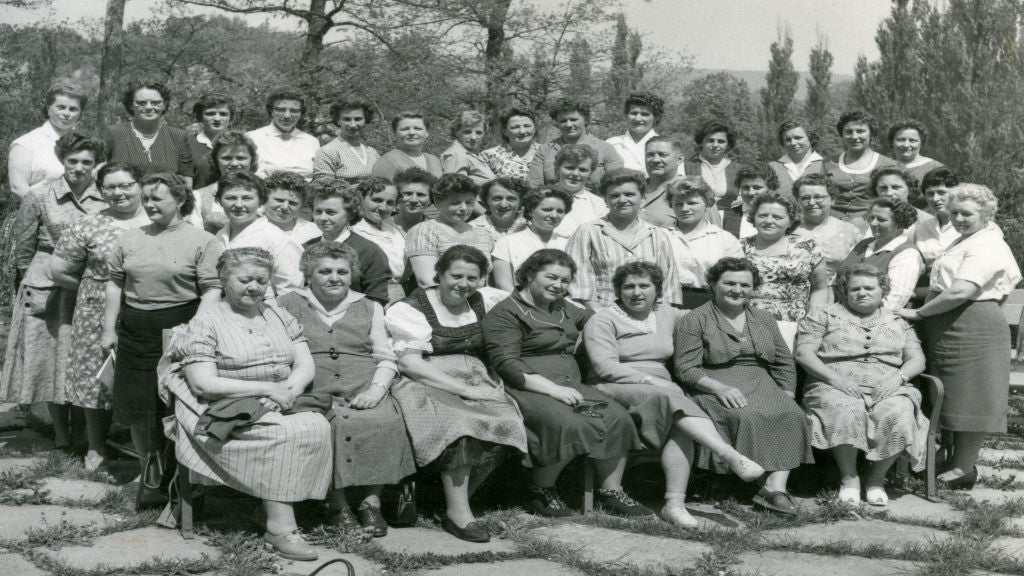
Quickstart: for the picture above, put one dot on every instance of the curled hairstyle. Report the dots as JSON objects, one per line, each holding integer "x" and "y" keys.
{"x": 512, "y": 112}
{"x": 74, "y": 142}
{"x": 622, "y": 176}
{"x": 414, "y": 175}
{"x": 114, "y": 167}
{"x": 677, "y": 144}
{"x": 755, "y": 171}
{"x": 332, "y": 187}
{"x": 812, "y": 133}
{"x": 280, "y": 94}
{"x": 540, "y": 260}
{"x": 232, "y": 258}
{"x": 775, "y": 198}
{"x": 905, "y": 175}
{"x": 231, "y": 138}
{"x": 939, "y": 177}
{"x": 245, "y": 181}
{"x": 691, "y": 186}
{"x": 409, "y": 115}
{"x": 289, "y": 181}
{"x": 517, "y": 186}
{"x": 860, "y": 117}
{"x": 814, "y": 179}
{"x": 712, "y": 126}
{"x": 212, "y": 100}
{"x": 342, "y": 106}
{"x": 461, "y": 253}
{"x": 465, "y": 119}
{"x": 647, "y": 99}
{"x": 576, "y": 154}
{"x": 67, "y": 89}
{"x": 372, "y": 185}
{"x": 128, "y": 96}
{"x": 532, "y": 199}
{"x": 730, "y": 264}
{"x": 334, "y": 250}
{"x": 638, "y": 268}
{"x": 567, "y": 106}
{"x": 451, "y": 185}
{"x": 907, "y": 124}
{"x": 862, "y": 269}
{"x": 982, "y": 195}
{"x": 176, "y": 185}
{"x": 903, "y": 214}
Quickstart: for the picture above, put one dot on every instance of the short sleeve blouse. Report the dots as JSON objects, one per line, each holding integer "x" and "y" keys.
{"x": 411, "y": 332}
{"x": 982, "y": 258}
{"x": 432, "y": 238}
{"x": 785, "y": 279}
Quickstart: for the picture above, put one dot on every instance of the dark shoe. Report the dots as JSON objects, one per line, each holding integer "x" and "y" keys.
{"x": 547, "y": 502}
{"x": 780, "y": 502}
{"x": 344, "y": 519}
{"x": 473, "y": 532}
{"x": 291, "y": 545}
{"x": 372, "y": 521}
{"x": 965, "y": 482}
{"x": 618, "y": 502}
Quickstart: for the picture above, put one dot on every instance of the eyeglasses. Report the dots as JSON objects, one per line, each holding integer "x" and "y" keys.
{"x": 816, "y": 199}
{"x": 153, "y": 103}
{"x": 126, "y": 186}
{"x": 282, "y": 110}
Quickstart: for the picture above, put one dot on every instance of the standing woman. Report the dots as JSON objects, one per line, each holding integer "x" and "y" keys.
{"x": 714, "y": 141}
{"x": 896, "y": 183}
{"x": 80, "y": 263}
{"x": 463, "y": 157}
{"x": 213, "y": 112}
{"x": 906, "y": 138}
{"x": 145, "y": 139}
{"x": 798, "y": 140}
{"x": 965, "y": 331}
{"x": 934, "y": 235}
{"x": 40, "y": 334}
{"x": 501, "y": 199}
{"x": 379, "y": 200}
{"x": 347, "y": 156}
{"x": 544, "y": 210}
{"x": 281, "y": 144}
{"x": 813, "y": 194}
{"x": 575, "y": 164}
{"x": 287, "y": 195}
{"x": 30, "y": 160}
{"x": 413, "y": 187}
{"x": 410, "y": 130}
{"x": 851, "y": 173}
{"x": 643, "y": 111}
{"x": 233, "y": 151}
{"x": 514, "y": 156}
{"x": 889, "y": 250}
{"x": 572, "y": 117}
{"x": 158, "y": 273}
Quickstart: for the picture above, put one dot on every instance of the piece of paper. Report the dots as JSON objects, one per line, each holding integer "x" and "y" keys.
{"x": 106, "y": 372}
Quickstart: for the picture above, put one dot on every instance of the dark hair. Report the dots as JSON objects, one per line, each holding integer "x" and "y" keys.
{"x": 860, "y": 269}
{"x": 566, "y": 106}
{"x": 860, "y": 117}
{"x": 540, "y": 259}
{"x": 812, "y": 132}
{"x": 532, "y": 199}
{"x": 730, "y": 264}
{"x": 450, "y": 185}
{"x": 648, "y": 99}
{"x": 908, "y": 178}
{"x": 176, "y": 185}
{"x": 464, "y": 253}
{"x": 372, "y": 185}
{"x": 712, "y": 126}
{"x": 113, "y": 167}
{"x": 758, "y": 170}
{"x": 907, "y": 124}
{"x": 229, "y": 139}
{"x": 64, "y": 88}
{"x": 212, "y": 100}
{"x": 814, "y": 179}
{"x": 517, "y": 186}
{"x": 409, "y": 115}
{"x": 638, "y": 268}
{"x": 941, "y": 176}
{"x": 467, "y": 118}
{"x": 576, "y": 154}
{"x": 509, "y": 113}
{"x": 325, "y": 249}
{"x": 333, "y": 187}
{"x": 244, "y": 180}
{"x": 691, "y": 186}
{"x": 903, "y": 214}
{"x": 280, "y": 94}
{"x": 775, "y": 198}
{"x": 128, "y": 96}
{"x": 234, "y": 257}
{"x": 341, "y": 106}
{"x": 289, "y": 181}
{"x": 676, "y": 143}
{"x": 74, "y": 142}
{"x": 621, "y": 176}
{"x": 414, "y": 175}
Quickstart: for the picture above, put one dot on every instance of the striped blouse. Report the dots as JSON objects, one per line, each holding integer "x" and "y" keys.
{"x": 340, "y": 159}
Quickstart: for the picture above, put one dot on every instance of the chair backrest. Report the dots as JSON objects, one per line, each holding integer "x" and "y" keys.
{"x": 932, "y": 395}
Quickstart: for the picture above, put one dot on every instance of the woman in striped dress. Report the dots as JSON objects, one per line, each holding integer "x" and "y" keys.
{"x": 347, "y": 156}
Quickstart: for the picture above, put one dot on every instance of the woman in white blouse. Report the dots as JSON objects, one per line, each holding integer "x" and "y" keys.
{"x": 31, "y": 159}
{"x": 543, "y": 210}
{"x": 379, "y": 201}
{"x": 798, "y": 140}
{"x": 966, "y": 335}
{"x": 714, "y": 141}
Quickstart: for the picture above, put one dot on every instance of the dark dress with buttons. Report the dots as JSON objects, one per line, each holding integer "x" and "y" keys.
{"x": 370, "y": 446}
{"x": 522, "y": 340}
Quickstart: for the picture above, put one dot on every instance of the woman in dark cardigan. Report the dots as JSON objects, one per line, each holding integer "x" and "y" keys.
{"x": 145, "y": 140}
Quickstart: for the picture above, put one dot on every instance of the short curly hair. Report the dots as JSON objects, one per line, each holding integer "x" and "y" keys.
{"x": 461, "y": 253}
{"x": 730, "y": 264}
{"x": 539, "y": 260}
{"x": 566, "y": 106}
{"x": 862, "y": 269}
{"x": 65, "y": 88}
{"x": 285, "y": 93}
{"x": 333, "y": 187}
{"x": 114, "y": 167}
{"x": 639, "y": 268}
{"x": 860, "y": 117}
{"x": 647, "y": 99}
{"x": 231, "y": 138}
{"x": 414, "y": 175}
{"x": 512, "y": 112}
{"x": 232, "y": 258}
{"x": 775, "y": 198}
{"x": 982, "y": 195}
{"x": 467, "y": 118}
{"x": 128, "y": 96}
{"x": 878, "y": 173}
{"x": 517, "y": 186}
{"x": 903, "y": 214}
{"x": 450, "y": 185}
{"x": 755, "y": 171}
{"x": 907, "y": 124}
{"x": 289, "y": 181}
{"x": 619, "y": 177}
{"x": 244, "y": 180}
{"x": 811, "y": 131}
{"x": 941, "y": 176}
{"x": 409, "y": 115}
{"x": 814, "y": 179}
{"x": 691, "y": 186}
{"x": 532, "y": 199}
{"x": 325, "y": 249}
{"x": 712, "y": 126}
{"x": 342, "y": 106}
{"x": 176, "y": 185}
{"x": 212, "y": 100}
{"x": 372, "y": 185}
{"x": 576, "y": 154}
{"x": 74, "y": 142}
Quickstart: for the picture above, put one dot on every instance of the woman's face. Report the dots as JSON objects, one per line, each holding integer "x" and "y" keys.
{"x": 502, "y": 203}
{"x": 216, "y": 120}
{"x": 966, "y": 216}
{"x": 246, "y": 285}
{"x": 572, "y": 125}
{"x": 815, "y": 202}
{"x": 547, "y": 215}
{"x": 938, "y": 199}
{"x": 796, "y": 142}
{"x": 330, "y": 279}
{"x": 638, "y": 293}
{"x": 550, "y": 283}
{"x": 892, "y": 187}
{"x": 379, "y": 206}
{"x": 714, "y": 146}
{"x": 330, "y": 216}
{"x": 78, "y": 167}
{"x": 160, "y": 205}
{"x": 64, "y": 113}
{"x": 881, "y": 223}
{"x": 415, "y": 197}
{"x": 411, "y": 133}
{"x": 240, "y": 205}
{"x": 233, "y": 159}
{"x": 751, "y": 188}
{"x": 733, "y": 289}
{"x": 148, "y": 105}
{"x": 689, "y": 209}
{"x": 772, "y": 221}
{"x": 122, "y": 192}
{"x": 472, "y": 137}
{"x": 624, "y": 201}
{"x": 574, "y": 176}
{"x": 907, "y": 145}
{"x": 856, "y": 136}
{"x": 641, "y": 119}
{"x": 352, "y": 123}
{"x": 520, "y": 130}
{"x": 285, "y": 115}
{"x": 863, "y": 294}
{"x": 459, "y": 281}
{"x": 456, "y": 208}
{"x": 282, "y": 207}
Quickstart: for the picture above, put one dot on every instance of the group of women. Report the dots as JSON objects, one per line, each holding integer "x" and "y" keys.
{"x": 577, "y": 298}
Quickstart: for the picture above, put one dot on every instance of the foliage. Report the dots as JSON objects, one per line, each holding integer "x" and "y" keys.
{"x": 777, "y": 95}
{"x": 818, "y": 108}
{"x": 721, "y": 96}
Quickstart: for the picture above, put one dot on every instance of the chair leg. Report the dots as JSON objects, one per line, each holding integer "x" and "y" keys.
{"x": 931, "y": 491}
{"x": 185, "y": 491}
{"x": 588, "y": 485}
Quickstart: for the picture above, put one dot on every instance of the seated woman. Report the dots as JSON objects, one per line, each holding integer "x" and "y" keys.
{"x": 531, "y": 338}
{"x": 355, "y": 365}
{"x": 244, "y": 350}
{"x": 543, "y": 210}
{"x": 501, "y": 199}
{"x": 889, "y": 250}
{"x": 738, "y": 368}
{"x": 628, "y": 345}
{"x": 458, "y": 417}
{"x": 860, "y": 358}
{"x": 574, "y": 165}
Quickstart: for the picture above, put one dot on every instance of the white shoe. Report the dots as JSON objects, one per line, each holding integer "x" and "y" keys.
{"x": 876, "y": 496}
{"x": 849, "y": 495}
{"x": 677, "y": 514}
{"x": 93, "y": 460}
{"x": 746, "y": 469}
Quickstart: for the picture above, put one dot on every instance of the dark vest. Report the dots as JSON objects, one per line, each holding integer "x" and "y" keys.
{"x": 468, "y": 339}
{"x": 879, "y": 259}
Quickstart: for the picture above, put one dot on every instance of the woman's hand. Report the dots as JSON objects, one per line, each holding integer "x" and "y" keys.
{"x": 662, "y": 383}
{"x": 731, "y": 397}
{"x": 108, "y": 341}
{"x": 283, "y": 397}
{"x": 846, "y": 387}
{"x": 909, "y": 314}
{"x": 270, "y": 404}
{"x": 368, "y": 398}
{"x": 887, "y": 386}
{"x": 482, "y": 392}
{"x": 566, "y": 395}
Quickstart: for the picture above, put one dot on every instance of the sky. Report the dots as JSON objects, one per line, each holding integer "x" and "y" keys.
{"x": 719, "y": 34}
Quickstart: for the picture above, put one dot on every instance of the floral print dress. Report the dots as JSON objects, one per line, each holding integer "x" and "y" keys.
{"x": 785, "y": 278}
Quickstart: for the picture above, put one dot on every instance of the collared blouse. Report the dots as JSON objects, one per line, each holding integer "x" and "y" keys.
{"x": 983, "y": 259}
{"x": 44, "y": 164}
{"x": 286, "y": 252}
{"x": 457, "y": 160}
{"x": 279, "y": 152}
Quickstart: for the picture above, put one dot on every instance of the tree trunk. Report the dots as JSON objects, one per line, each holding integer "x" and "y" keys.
{"x": 494, "y": 61}
{"x": 110, "y": 66}
{"x": 317, "y": 27}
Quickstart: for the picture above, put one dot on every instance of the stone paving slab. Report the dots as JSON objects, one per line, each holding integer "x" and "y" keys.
{"x": 994, "y": 496}
{"x": 710, "y": 517}
{"x": 858, "y": 534}
{"x": 18, "y": 519}
{"x": 1001, "y": 473}
{"x": 625, "y": 548}
{"x": 1012, "y": 547}
{"x": 426, "y": 541}
{"x": 362, "y": 566}
{"x": 132, "y": 548}
{"x": 533, "y": 567}
{"x": 78, "y": 491}
{"x": 773, "y": 563}
{"x": 11, "y": 464}
{"x": 11, "y": 418}
{"x": 14, "y": 564}
{"x": 914, "y": 507}
{"x": 995, "y": 455}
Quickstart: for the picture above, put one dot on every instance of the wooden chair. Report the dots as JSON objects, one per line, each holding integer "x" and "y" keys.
{"x": 183, "y": 484}
{"x": 932, "y": 394}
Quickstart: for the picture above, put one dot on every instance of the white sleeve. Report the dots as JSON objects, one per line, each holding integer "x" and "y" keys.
{"x": 904, "y": 270}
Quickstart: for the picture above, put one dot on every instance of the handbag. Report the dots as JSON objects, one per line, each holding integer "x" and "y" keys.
{"x": 400, "y": 507}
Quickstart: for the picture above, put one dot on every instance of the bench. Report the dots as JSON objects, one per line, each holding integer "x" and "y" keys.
{"x": 1013, "y": 311}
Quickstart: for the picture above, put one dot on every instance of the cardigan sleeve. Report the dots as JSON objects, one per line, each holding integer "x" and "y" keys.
{"x": 375, "y": 271}
{"x": 503, "y": 339}
{"x": 688, "y": 342}
{"x": 601, "y": 340}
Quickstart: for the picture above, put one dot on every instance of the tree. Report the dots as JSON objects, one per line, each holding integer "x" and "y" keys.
{"x": 781, "y": 82}
{"x": 110, "y": 66}
{"x": 624, "y": 73}
{"x": 580, "y": 69}
{"x": 722, "y": 96}
{"x": 818, "y": 106}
